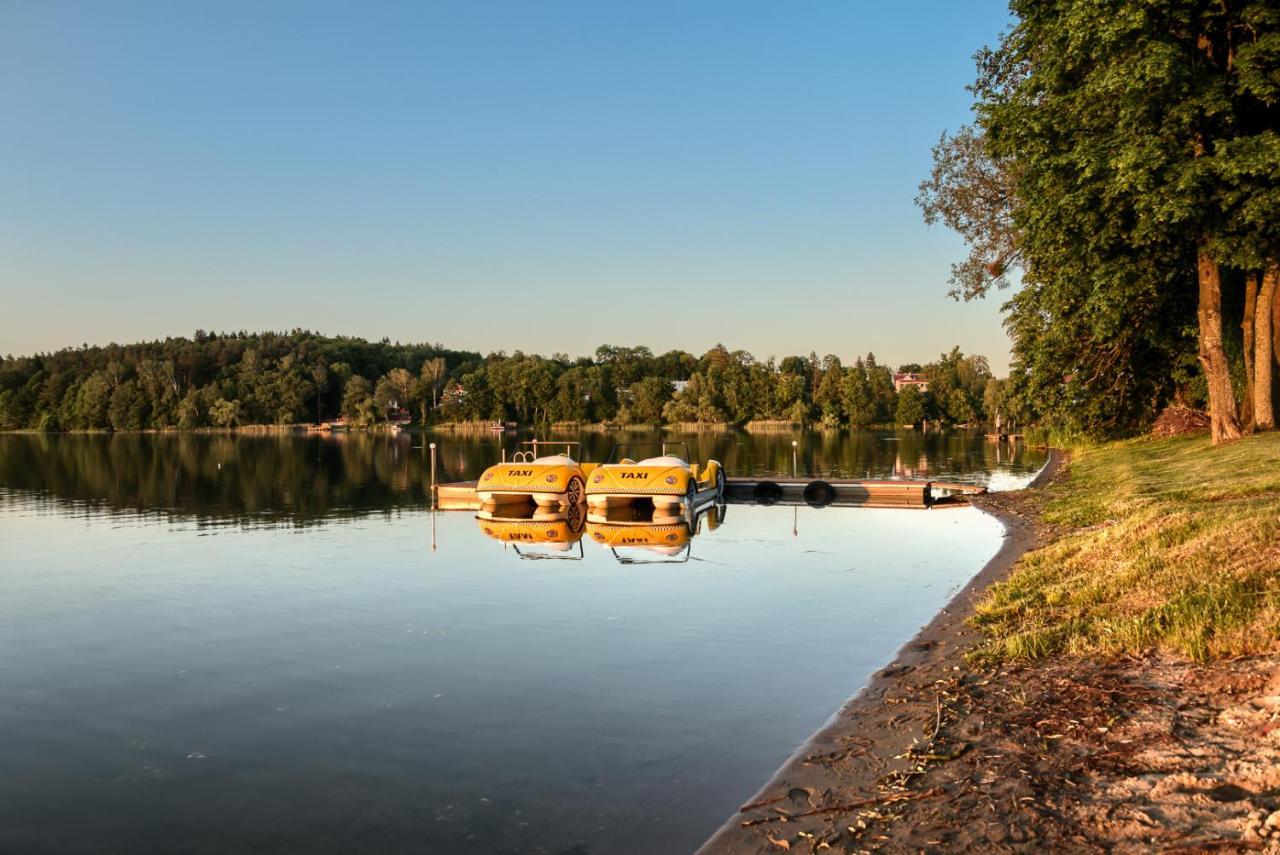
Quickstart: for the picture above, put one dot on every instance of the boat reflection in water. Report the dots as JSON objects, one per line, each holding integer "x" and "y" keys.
{"x": 535, "y": 531}
{"x": 635, "y": 534}
{"x": 639, "y": 534}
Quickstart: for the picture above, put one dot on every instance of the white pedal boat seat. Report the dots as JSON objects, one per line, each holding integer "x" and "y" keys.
{"x": 664, "y": 460}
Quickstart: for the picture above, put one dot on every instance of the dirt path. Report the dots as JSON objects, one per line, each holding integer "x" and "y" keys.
{"x": 1069, "y": 755}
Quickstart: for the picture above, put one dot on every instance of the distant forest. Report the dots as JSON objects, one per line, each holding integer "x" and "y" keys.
{"x": 226, "y": 380}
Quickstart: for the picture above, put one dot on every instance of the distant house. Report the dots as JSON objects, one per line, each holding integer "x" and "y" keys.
{"x": 903, "y": 379}
{"x": 452, "y": 394}
{"x": 679, "y": 385}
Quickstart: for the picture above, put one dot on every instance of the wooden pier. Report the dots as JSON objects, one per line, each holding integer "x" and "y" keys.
{"x": 461, "y": 496}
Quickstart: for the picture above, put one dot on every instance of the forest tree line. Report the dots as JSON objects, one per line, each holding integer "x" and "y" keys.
{"x": 231, "y": 380}
{"x": 1123, "y": 170}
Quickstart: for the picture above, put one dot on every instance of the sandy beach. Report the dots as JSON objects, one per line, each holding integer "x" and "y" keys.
{"x": 1134, "y": 754}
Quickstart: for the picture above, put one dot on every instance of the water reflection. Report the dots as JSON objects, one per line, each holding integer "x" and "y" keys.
{"x": 297, "y": 480}
{"x": 657, "y": 537}
{"x": 633, "y": 533}
{"x": 542, "y": 532}
{"x": 344, "y": 688}
{"x": 220, "y": 479}
{"x": 963, "y": 456}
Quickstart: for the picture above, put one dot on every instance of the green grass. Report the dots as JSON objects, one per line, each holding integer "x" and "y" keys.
{"x": 1170, "y": 544}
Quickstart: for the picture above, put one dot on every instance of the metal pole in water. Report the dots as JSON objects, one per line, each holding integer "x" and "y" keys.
{"x": 795, "y": 466}
{"x": 433, "y": 478}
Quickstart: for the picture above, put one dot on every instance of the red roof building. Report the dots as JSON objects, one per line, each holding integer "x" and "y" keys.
{"x": 903, "y": 379}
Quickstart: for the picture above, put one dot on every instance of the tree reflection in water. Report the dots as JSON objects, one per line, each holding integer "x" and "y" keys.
{"x": 303, "y": 479}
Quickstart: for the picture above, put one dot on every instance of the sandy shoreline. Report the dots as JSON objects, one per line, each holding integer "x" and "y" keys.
{"x": 848, "y": 759}
{"x": 1144, "y": 753}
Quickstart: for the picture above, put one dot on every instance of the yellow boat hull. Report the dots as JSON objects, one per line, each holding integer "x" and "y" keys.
{"x": 489, "y": 497}
{"x": 562, "y": 482}
{"x": 615, "y": 500}
{"x": 667, "y": 482}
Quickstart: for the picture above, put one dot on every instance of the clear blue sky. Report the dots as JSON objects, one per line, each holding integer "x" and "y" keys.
{"x": 525, "y": 175}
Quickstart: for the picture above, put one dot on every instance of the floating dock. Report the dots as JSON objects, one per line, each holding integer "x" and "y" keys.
{"x": 461, "y": 496}
{"x": 865, "y": 493}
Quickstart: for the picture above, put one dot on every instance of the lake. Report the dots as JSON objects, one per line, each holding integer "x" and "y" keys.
{"x": 272, "y": 644}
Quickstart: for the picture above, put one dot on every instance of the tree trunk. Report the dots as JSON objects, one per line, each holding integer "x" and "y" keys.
{"x": 1275, "y": 331}
{"x": 1249, "y": 326}
{"x": 1264, "y": 417}
{"x": 1224, "y": 420}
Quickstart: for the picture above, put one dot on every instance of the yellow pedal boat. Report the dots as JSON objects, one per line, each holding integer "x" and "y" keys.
{"x": 668, "y": 480}
{"x": 548, "y": 480}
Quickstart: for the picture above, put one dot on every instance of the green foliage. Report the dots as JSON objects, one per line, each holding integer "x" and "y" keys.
{"x": 226, "y": 381}
{"x": 1114, "y": 143}
{"x": 859, "y": 405}
{"x": 269, "y": 377}
{"x": 224, "y": 413}
{"x": 830, "y": 396}
{"x": 396, "y": 390}
{"x": 646, "y": 399}
{"x": 191, "y": 411}
{"x": 358, "y": 406}
{"x": 957, "y": 385}
{"x": 129, "y": 408}
{"x": 910, "y": 409}
{"x": 92, "y": 401}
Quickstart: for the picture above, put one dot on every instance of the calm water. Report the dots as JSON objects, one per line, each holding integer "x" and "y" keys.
{"x": 220, "y": 645}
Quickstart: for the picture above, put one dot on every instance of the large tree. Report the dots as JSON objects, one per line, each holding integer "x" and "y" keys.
{"x": 1130, "y": 147}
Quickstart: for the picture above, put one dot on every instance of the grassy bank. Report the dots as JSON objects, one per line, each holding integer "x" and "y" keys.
{"x": 1170, "y": 544}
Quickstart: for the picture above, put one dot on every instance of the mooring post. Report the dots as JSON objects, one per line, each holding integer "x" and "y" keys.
{"x": 433, "y": 478}
{"x": 795, "y": 470}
